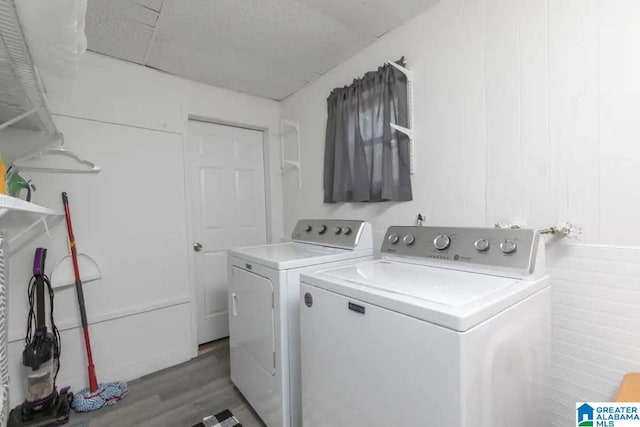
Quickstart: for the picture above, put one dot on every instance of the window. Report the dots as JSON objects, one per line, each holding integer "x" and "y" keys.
{"x": 365, "y": 159}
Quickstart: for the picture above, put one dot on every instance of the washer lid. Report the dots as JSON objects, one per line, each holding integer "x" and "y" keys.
{"x": 454, "y": 299}
{"x": 284, "y": 256}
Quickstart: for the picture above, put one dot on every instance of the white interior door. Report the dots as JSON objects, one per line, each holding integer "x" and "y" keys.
{"x": 228, "y": 197}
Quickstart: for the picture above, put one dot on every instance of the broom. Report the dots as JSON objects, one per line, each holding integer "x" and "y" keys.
{"x": 96, "y": 395}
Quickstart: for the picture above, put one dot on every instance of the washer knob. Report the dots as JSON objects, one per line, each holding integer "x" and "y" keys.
{"x": 346, "y": 231}
{"x": 393, "y": 239}
{"x": 481, "y": 244}
{"x": 337, "y": 230}
{"x": 308, "y": 229}
{"x": 323, "y": 229}
{"x": 508, "y": 246}
{"x": 409, "y": 239}
{"x": 442, "y": 242}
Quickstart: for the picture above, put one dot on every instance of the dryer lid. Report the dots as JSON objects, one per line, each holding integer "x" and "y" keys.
{"x": 454, "y": 299}
{"x": 284, "y": 256}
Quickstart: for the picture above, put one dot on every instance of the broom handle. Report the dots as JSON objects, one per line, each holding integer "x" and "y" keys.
{"x": 93, "y": 381}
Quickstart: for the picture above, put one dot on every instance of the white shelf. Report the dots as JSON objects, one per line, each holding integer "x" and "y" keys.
{"x": 22, "y": 102}
{"x": 24, "y": 221}
{"x": 8, "y": 203}
{"x": 286, "y": 164}
{"x": 409, "y": 129}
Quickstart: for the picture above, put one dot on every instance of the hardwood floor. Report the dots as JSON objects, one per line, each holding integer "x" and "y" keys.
{"x": 178, "y": 397}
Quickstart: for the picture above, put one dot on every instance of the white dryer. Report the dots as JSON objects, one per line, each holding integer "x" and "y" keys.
{"x": 264, "y": 291}
{"x": 450, "y": 328}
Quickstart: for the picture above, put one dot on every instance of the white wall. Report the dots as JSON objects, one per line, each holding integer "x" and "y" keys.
{"x": 524, "y": 111}
{"x": 131, "y": 217}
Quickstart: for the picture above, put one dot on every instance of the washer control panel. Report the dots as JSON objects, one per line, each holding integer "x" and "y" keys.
{"x": 490, "y": 247}
{"x": 329, "y": 232}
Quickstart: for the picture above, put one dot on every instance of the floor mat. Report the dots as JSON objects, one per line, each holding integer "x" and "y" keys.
{"x": 222, "y": 419}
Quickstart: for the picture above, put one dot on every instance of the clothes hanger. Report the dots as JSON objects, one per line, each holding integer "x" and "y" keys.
{"x": 87, "y": 166}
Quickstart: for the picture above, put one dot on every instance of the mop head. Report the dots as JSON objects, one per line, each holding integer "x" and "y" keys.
{"x": 107, "y": 394}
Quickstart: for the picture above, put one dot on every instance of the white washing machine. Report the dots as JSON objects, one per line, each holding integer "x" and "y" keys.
{"x": 450, "y": 328}
{"x": 264, "y": 324}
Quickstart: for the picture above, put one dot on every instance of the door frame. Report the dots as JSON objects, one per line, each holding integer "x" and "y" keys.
{"x": 191, "y": 257}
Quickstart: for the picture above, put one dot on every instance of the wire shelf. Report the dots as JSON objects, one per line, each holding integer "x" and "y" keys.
{"x": 24, "y": 221}
{"x": 22, "y": 102}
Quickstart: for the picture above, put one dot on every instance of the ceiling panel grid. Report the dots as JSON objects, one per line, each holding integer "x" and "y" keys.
{"x": 268, "y": 48}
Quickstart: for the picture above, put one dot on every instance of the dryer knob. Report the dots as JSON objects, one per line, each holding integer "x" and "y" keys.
{"x": 442, "y": 242}
{"x": 393, "y": 239}
{"x": 308, "y": 229}
{"x": 508, "y": 246}
{"x": 337, "y": 230}
{"x": 409, "y": 239}
{"x": 323, "y": 229}
{"x": 481, "y": 244}
{"x": 346, "y": 231}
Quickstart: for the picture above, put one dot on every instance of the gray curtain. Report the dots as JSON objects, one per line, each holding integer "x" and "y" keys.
{"x": 365, "y": 160}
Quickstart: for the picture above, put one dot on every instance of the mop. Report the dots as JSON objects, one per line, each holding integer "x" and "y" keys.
{"x": 96, "y": 395}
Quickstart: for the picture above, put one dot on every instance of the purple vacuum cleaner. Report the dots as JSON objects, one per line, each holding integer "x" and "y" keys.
{"x": 43, "y": 404}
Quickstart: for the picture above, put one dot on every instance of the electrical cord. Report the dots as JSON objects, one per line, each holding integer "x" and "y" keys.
{"x": 57, "y": 339}
{"x": 31, "y": 320}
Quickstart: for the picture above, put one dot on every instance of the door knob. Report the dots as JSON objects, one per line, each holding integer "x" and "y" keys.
{"x": 197, "y": 247}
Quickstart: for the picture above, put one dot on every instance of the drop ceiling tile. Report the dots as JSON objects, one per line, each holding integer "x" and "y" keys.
{"x": 282, "y": 30}
{"x": 370, "y": 17}
{"x": 119, "y": 28}
{"x": 220, "y": 65}
{"x": 151, "y": 4}
{"x": 142, "y": 14}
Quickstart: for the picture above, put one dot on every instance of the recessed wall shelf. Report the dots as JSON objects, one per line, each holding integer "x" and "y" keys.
{"x": 22, "y": 101}
{"x": 25, "y": 221}
{"x": 286, "y": 128}
{"x": 406, "y": 130}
